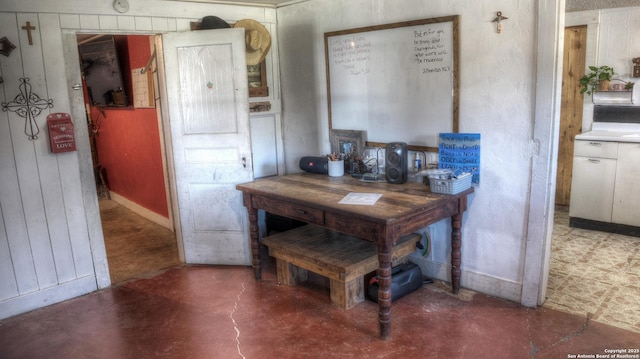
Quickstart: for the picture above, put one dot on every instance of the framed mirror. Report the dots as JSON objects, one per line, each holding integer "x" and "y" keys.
{"x": 398, "y": 82}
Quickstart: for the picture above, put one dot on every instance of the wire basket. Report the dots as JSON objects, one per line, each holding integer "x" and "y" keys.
{"x": 450, "y": 186}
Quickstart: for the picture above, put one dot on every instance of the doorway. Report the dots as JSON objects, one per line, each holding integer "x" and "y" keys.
{"x": 126, "y": 140}
{"x": 588, "y": 270}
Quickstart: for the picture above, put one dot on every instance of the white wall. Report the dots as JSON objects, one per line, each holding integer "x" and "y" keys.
{"x": 498, "y": 80}
{"x": 617, "y": 44}
{"x": 609, "y": 43}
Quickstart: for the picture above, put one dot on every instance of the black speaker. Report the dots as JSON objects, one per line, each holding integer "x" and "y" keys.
{"x": 405, "y": 278}
{"x": 396, "y": 162}
{"x": 314, "y": 164}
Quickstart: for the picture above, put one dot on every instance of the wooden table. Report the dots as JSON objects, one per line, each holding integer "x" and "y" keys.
{"x": 402, "y": 209}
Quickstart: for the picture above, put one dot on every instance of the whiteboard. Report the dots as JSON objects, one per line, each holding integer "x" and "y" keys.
{"x": 398, "y": 82}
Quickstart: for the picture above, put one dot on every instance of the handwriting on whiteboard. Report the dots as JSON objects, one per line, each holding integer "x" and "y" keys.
{"x": 353, "y": 54}
{"x": 430, "y": 50}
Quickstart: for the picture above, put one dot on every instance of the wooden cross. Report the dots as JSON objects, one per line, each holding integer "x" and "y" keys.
{"x": 28, "y": 27}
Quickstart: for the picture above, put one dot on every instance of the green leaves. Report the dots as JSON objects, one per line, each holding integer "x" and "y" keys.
{"x": 589, "y": 81}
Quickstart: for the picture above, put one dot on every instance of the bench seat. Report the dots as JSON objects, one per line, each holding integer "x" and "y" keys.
{"x": 344, "y": 259}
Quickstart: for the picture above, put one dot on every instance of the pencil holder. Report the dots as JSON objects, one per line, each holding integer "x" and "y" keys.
{"x": 336, "y": 168}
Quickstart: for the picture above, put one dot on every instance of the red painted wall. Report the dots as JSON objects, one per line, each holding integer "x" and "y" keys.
{"x": 128, "y": 140}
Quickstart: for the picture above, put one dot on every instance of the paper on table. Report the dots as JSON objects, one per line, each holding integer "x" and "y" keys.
{"x": 367, "y": 199}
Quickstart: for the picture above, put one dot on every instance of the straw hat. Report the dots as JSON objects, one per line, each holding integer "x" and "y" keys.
{"x": 258, "y": 40}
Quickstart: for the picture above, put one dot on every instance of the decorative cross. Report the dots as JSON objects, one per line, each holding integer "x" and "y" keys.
{"x": 28, "y": 27}
{"x": 498, "y": 21}
{"x": 28, "y": 105}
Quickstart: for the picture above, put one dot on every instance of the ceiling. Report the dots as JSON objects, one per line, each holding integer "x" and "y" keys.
{"x": 571, "y": 5}
{"x": 267, "y": 3}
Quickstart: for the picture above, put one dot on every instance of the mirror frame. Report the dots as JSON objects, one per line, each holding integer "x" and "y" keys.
{"x": 455, "y": 97}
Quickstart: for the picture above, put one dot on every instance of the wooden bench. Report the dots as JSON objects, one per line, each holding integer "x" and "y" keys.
{"x": 341, "y": 258}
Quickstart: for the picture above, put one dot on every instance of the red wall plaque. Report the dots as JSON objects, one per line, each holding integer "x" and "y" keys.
{"x": 61, "y": 136}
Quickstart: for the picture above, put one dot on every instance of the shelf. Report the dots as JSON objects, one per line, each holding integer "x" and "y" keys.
{"x": 612, "y": 97}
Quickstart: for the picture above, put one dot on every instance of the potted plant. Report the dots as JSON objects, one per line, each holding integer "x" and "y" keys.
{"x": 598, "y": 76}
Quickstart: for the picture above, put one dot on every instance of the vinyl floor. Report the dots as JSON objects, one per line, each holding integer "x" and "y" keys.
{"x": 594, "y": 274}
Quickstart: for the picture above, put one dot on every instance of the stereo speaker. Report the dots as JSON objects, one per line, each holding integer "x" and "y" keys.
{"x": 396, "y": 162}
{"x": 314, "y": 164}
{"x": 405, "y": 278}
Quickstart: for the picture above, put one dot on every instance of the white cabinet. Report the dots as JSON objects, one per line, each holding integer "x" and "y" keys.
{"x": 626, "y": 199}
{"x": 593, "y": 180}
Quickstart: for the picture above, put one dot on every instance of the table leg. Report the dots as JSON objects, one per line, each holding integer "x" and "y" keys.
{"x": 255, "y": 242}
{"x": 456, "y": 256}
{"x": 384, "y": 292}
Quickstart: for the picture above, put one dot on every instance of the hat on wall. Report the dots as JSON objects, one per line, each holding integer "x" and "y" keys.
{"x": 213, "y": 22}
{"x": 258, "y": 40}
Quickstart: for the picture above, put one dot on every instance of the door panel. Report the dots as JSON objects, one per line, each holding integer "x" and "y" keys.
{"x": 575, "y": 44}
{"x": 209, "y": 119}
{"x": 264, "y": 146}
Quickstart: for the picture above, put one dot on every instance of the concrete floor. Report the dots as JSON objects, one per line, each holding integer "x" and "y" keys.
{"x": 223, "y": 312}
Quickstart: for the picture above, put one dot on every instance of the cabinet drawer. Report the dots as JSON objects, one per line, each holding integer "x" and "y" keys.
{"x": 600, "y": 149}
{"x": 291, "y": 210}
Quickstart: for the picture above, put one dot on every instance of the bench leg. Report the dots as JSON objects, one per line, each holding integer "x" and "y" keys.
{"x": 289, "y": 274}
{"x": 346, "y": 295}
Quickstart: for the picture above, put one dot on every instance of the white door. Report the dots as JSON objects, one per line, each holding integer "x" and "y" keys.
{"x": 206, "y": 77}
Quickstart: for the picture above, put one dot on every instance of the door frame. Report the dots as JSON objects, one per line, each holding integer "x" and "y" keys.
{"x": 87, "y": 179}
{"x": 544, "y": 150}
{"x": 542, "y": 198}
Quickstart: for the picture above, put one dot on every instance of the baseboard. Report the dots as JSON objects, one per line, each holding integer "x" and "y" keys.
{"x": 141, "y": 211}
{"x": 478, "y": 282}
{"x": 616, "y": 228}
{"x": 47, "y": 296}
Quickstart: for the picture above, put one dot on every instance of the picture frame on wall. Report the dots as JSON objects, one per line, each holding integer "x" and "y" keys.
{"x": 348, "y": 141}
{"x": 257, "y": 76}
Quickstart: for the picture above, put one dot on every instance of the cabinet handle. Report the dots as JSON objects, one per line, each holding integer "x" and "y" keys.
{"x": 597, "y": 144}
{"x": 593, "y": 160}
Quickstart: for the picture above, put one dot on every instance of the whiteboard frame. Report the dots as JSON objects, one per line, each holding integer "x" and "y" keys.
{"x": 455, "y": 97}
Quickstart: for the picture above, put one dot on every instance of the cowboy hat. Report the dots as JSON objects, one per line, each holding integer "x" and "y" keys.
{"x": 213, "y": 22}
{"x": 258, "y": 40}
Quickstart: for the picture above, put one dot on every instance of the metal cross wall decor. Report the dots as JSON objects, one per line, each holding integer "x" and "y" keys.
{"x": 28, "y": 105}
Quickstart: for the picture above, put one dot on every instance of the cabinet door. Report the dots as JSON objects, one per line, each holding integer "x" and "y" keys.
{"x": 626, "y": 203}
{"x": 592, "y": 188}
